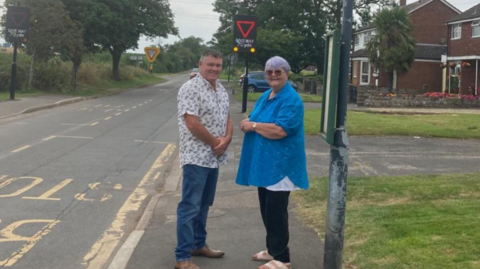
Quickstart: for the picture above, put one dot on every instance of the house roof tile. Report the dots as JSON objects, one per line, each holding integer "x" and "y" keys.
{"x": 423, "y": 52}
{"x": 471, "y": 13}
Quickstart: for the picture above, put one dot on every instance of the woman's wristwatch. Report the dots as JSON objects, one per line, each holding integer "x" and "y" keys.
{"x": 254, "y": 126}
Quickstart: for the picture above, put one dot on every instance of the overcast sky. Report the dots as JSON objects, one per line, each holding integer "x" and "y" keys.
{"x": 197, "y": 18}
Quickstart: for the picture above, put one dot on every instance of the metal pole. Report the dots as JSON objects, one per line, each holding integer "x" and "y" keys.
{"x": 476, "y": 79}
{"x": 14, "y": 71}
{"x": 245, "y": 85}
{"x": 228, "y": 69}
{"x": 337, "y": 196}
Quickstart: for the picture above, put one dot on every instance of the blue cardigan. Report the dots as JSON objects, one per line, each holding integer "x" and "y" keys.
{"x": 265, "y": 162}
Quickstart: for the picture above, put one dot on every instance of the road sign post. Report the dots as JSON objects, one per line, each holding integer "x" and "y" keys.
{"x": 17, "y": 27}
{"x": 244, "y": 40}
{"x": 152, "y": 54}
{"x": 337, "y": 184}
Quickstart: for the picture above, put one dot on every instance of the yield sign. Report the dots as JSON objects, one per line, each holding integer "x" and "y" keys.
{"x": 244, "y": 32}
{"x": 152, "y": 53}
{"x": 249, "y": 26}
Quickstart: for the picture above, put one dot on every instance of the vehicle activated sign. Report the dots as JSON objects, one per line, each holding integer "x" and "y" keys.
{"x": 17, "y": 24}
{"x": 244, "y": 32}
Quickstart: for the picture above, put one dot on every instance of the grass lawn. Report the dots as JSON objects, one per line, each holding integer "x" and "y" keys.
{"x": 461, "y": 126}
{"x": 420, "y": 222}
{"x": 6, "y": 95}
{"x": 102, "y": 87}
{"x": 253, "y": 97}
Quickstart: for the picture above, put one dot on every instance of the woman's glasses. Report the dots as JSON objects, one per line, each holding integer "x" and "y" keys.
{"x": 277, "y": 72}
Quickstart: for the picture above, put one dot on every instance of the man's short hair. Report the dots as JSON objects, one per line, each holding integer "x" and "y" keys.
{"x": 211, "y": 52}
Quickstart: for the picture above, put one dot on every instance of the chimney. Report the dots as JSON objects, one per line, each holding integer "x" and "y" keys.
{"x": 403, "y": 3}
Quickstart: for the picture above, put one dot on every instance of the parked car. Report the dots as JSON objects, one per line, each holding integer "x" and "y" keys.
{"x": 257, "y": 82}
{"x": 193, "y": 73}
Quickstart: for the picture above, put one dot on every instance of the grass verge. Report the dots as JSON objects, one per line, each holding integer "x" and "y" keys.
{"x": 402, "y": 222}
{"x": 6, "y": 95}
{"x": 102, "y": 87}
{"x": 253, "y": 97}
{"x": 459, "y": 126}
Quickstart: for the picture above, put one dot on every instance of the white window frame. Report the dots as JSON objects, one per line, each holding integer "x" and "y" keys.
{"x": 456, "y": 27}
{"x": 476, "y": 25}
{"x": 362, "y": 74}
{"x": 357, "y": 40}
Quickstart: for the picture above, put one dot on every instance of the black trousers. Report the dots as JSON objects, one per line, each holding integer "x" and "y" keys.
{"x": 274, "y": 209}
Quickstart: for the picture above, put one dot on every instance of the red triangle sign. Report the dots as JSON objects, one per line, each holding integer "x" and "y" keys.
{"x": 240, "y": 23}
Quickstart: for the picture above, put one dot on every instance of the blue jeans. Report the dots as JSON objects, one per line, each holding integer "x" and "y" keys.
{"x": 198, "y": 193}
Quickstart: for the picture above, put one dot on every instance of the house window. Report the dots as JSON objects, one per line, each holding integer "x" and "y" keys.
{"x": 365, "y": 73}
{"x": 355, "y": 69}
{"x": 367, "y": 37}
{"x": 476, "y": 29}
{"x": 357, "y": 40}
{"x": 457, "y": 31}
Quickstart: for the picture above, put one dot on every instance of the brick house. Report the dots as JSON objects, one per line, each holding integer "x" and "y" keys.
{"x": 430, "y": 32}
{"x": 463, "y": 54}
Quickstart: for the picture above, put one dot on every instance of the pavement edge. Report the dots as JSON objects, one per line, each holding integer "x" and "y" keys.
{"x": 123, "y": 255}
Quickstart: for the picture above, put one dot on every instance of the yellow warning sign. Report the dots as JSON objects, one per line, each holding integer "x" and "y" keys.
{"x": 151, "y": 53}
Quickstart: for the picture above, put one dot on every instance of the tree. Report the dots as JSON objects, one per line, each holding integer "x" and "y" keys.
{"x": 309, "y": 19}
{"x": 118, "y": 25}
{"x": 50, "y": 29}
{"x": 392, "y": 48}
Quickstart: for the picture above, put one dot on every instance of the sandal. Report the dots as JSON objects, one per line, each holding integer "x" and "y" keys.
{"x": 276, "y": 265}
{"x": 262, "y": 256}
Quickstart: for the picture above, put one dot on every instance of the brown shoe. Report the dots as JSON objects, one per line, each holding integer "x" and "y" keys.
{"x": 206, "y": 251}
{"x": 185, "y": 265}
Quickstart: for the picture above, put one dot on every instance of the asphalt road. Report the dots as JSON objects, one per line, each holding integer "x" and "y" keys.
{"x": 74, "y": 179}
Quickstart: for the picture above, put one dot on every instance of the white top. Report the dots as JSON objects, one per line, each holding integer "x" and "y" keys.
{"x": 284, "y": 185}
{"x": 197, "y": 98}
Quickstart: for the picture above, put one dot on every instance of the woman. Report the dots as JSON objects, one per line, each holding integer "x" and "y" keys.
{"x": 273, "y": 158}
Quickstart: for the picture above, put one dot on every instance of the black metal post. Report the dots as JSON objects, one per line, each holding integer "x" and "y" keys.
{"x": 14, "y": 71}
{"x": 228, "y": 69}
{"x": 337, "y": 196}
{"x": 245, "y": 85}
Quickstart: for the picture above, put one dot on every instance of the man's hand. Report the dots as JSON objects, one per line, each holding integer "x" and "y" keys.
{"x": 222, "y": 146}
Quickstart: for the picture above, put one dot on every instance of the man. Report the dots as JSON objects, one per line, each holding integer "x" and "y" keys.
{"x": 205, "y": 133}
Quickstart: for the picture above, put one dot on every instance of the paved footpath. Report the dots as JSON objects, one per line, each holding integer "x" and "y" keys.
{"x": 234, "y": 224}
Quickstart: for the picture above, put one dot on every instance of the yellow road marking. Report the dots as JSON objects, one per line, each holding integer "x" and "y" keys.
{"x": 116, "y": 187}
{"x": 20, "y": 149}
{"x": 104, "y": 247}
{"x": 140, "y": 104}
{"x": 107, "y": 118}
{"x": 3, "y": 176}
{"x": 46, "y": 195}
{"x": 118, "y": 114}
{"x": 134, "y": 107}
{"x": 8, "y": 236}
{"x": 35, "y": 182}
{"x": 95, "y": 123}
{"x": 126, "y": 110}
{"x": 93, "y": 186}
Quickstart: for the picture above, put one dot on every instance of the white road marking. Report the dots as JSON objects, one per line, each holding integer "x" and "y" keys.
{"x": 20, "y": 149}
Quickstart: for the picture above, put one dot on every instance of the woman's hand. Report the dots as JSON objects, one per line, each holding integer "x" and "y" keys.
{"x": 246, "y": 126}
